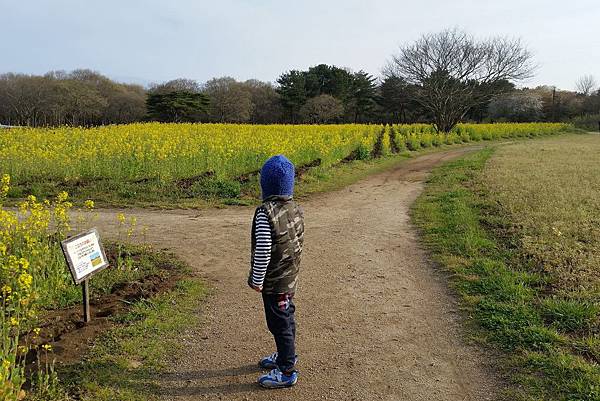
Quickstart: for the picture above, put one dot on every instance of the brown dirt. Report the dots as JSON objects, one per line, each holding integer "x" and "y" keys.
{"x": 305, "y": 168}
{"x": 376, "y": 320}
{"x": 70, "y": 337}
{"x": 186, "y": 183}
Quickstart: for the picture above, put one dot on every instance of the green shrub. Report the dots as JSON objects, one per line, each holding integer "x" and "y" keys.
{"x": 588, "y": 122}
{"x": 363, "y": 152}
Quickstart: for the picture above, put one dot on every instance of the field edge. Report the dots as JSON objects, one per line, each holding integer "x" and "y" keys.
{"x": 459, "y": 225}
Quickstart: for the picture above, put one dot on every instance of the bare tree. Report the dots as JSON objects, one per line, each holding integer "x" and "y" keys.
{"x": 321, "y": 109}
{"x": 230, "y": 101}
{"x": 453, "y": 72}
{"x": 520, "y": 106}
{"x": 266, "y": 102}
{"x": 81, "y": 97}
{"x": 176, "y": 85}
{"x": 586, "y": 85}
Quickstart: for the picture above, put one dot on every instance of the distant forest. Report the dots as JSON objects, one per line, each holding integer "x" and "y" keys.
{"x": 321, "y": 94}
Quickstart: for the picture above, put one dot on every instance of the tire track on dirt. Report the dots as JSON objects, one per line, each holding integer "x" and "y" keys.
{"x": 375, "y": 319}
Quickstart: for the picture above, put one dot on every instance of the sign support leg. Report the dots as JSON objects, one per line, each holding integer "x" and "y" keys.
{"x": 86, "y": 301}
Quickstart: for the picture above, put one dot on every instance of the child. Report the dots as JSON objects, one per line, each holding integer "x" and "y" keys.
{"x": 277, "y": 239}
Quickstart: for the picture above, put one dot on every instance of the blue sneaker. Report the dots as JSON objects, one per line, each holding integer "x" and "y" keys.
{"x": 270, "y": 362}
{"x": 276, "y": 379}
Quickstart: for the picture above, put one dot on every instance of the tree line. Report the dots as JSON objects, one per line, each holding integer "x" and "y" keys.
{"x": 443, "y": 78}
{"x": 80, "y": 97}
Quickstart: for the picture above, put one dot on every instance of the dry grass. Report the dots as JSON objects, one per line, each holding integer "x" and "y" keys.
{"x": 519, "y": 228}
{"x": 550, "y": 189}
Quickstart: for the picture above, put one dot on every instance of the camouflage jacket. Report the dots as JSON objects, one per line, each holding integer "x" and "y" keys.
{"x": 287, "y": 232}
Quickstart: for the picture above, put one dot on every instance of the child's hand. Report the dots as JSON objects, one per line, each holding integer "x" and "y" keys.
{"x": 255, "y": 288}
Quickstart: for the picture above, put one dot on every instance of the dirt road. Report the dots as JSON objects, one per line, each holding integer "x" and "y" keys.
{"x": 375, "y": 319}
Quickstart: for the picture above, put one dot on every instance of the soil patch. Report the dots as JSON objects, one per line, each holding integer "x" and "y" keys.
{"x": 186, "y": 183}
{"x": 300, "y": 171}
{"x": 70, "y": 337}
{"x": 378, "y": 147}
{"x": 303, "y": 169}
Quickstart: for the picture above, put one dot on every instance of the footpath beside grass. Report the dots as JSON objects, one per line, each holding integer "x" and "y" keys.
{"x": 518, "y": 228}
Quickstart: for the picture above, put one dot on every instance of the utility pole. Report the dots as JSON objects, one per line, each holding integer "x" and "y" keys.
{"x": 553, "y": 104}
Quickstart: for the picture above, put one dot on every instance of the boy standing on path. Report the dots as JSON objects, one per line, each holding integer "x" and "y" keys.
{"x": 277, "y": 240}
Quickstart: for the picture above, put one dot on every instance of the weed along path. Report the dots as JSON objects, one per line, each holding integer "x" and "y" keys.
{"x": 375, "y": 319}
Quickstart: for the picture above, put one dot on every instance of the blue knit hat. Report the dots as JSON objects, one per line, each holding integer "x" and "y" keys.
{"x": 277, "y": 177}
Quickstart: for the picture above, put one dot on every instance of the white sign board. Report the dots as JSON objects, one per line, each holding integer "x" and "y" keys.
{"x": 85, "y": 255}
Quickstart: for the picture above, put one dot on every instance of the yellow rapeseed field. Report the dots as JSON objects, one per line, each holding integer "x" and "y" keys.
{"x": 169, "y": 151}
{"x": 172, "y": 151}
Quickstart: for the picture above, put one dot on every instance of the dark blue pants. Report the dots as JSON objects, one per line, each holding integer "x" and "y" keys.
{"x": 279, "y": 311}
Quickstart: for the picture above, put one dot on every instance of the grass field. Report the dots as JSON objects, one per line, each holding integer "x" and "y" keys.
{"x": 519, "y": 228}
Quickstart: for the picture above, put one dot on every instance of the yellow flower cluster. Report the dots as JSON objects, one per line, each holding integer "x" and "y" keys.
{"x": 4, "y": 185}
{"x": 26, "y": 263}
{"x": 170, "y": 151}
{"x": 417, "y": 136}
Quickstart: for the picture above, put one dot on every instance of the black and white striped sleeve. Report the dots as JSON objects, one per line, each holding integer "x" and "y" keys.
{"x": 262, "y": 250}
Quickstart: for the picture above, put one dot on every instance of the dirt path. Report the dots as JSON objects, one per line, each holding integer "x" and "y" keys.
{"x": 375, "y": 319}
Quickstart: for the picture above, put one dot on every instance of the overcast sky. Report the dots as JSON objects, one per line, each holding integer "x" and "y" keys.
{"x": 157, "y": 40}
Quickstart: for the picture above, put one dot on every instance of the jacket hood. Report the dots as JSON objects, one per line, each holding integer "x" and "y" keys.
{"x": 277, "y": 177}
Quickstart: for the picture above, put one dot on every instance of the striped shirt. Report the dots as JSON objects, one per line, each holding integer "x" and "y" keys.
{"x": 262, "y": 250}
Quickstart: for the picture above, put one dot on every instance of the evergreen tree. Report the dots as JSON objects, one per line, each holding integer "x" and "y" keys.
{"x": 292, "y": 90}
{"x": 176, "y": 106}
{"x": 362, "y": 96}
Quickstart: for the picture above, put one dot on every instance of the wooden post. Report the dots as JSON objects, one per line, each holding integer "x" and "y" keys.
{"x": 86, "y": 301}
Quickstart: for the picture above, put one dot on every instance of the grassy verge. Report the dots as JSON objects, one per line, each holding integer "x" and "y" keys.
{"x": 125, "y": 361}
{"x": 510, "y": 229}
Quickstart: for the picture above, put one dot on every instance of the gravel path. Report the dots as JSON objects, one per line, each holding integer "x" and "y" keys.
{"x": 376, "y": 320}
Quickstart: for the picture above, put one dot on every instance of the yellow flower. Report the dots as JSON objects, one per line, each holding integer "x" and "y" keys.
{"x": 6, "y": 364}
{"x": 62, "y": 196}
{"x": 14, "y": 321}
{"x": 121, "y": 217}
{"x": 47, "y": 347}
{"x": 24, "y": 263}
{"x": 89, "y": 204}
{"x": 4, "y": 185}
{"x": 37, "y": 331}
{"x": 6, "y": 289}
